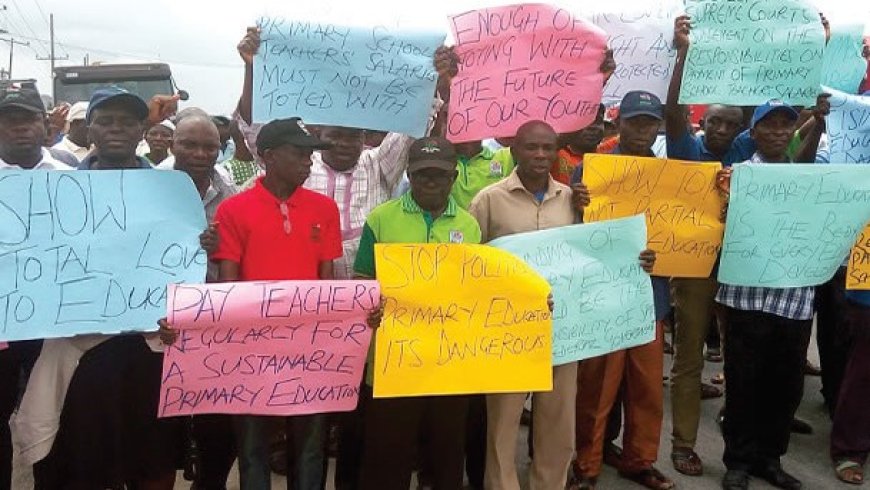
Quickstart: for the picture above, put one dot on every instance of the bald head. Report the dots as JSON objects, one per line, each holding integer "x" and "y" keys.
{"x": 533, "y": 127}
{"x": 196, "y": 145}
{"x": 190, "y": 112}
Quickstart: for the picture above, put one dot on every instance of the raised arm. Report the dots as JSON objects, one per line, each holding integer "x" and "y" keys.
{"x": 248, "y": 47}
{"x": 675, "y": 121}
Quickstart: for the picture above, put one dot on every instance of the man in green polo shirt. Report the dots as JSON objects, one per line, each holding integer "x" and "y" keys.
{"x": 479, "y": 167}
{"x": 425, "y": 214}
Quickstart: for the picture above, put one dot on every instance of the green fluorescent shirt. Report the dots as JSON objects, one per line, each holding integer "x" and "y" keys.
{"x": 481, "y": 170}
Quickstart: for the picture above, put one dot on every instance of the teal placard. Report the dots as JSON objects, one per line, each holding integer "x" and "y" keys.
{"x": 603, "y": 298}
{"x": 746, "y": 52}
{"x": 792, "y": 225}
{"x": 843, "y": 66}
{"x": 848, "y": 127}
{"x": 92, "y": 251}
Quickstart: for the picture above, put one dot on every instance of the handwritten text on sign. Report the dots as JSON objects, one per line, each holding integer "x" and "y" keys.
{"x": 522, "y": 63}
{"x": 844, "y": 65}
{"x": 373, "y": 78}
{"x": 92, "y": 251}
{"x": 640, "y": 36}
{"x": 858, "y": 273}
{"x": 746, "y": 52}
{"x": 603, "y": 298}
{"x": 680, "y": 200}
{"x": 460, "y": 319}
{"x": 792, "y": 225}
{"x": 848, "y": 127}
{"x": 267, "y": 348}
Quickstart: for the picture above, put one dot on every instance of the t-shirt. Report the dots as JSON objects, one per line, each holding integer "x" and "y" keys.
{"x": 563, "y": 167}
{"x": 267, "y": 245}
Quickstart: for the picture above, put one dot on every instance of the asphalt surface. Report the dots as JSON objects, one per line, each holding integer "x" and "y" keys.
{"x": 807, "y": 458}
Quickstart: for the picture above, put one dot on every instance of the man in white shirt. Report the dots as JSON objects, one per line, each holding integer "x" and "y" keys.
{"x": 75, "y": 140}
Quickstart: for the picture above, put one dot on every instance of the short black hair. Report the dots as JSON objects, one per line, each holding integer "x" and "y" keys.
{"x": 220, "y": 120}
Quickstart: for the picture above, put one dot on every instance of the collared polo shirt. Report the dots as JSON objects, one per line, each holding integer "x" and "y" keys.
{"x": 476, "y": 173}
{"x": 403, "y": 221}
{"x": 252, "y": 234}
{"x": 693, "y": 148}
{"x": 508, "y": 207}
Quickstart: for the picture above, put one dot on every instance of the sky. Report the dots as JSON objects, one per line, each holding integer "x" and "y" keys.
{"x": 198, "y": 37}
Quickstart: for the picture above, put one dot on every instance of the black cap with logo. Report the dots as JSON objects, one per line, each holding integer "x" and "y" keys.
{"x": 431, "y": 152}
{"x": 24, "y": 96}
{"x": 288, "y": 132}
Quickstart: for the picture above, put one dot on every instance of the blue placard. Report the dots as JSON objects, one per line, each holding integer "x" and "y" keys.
{"x": 848, "y": 127}
{"x": 92, "y": 251}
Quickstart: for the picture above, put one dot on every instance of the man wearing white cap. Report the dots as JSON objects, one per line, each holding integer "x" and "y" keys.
{"x": 75, "y": 140}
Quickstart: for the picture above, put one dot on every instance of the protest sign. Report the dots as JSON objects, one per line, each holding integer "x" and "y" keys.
{"x": 266, "y": 348}
{"x": 680, "y": 200}
{"x": 374, "y": 78}
{"x": 848, "y": 127}
{"x": 746, "y": 52}
{"x": 640, "y": 36}
{"x": 4, "y": 346}
{"x": 460, "y": 319}
{"x": 843, "y": 65}
{"x": 792, "y": 225}
{"x": 524, "y": 63}
{"x": 92, "y": 251}
{"x": 858, "y": 272}
{"x": 603, "y": 298}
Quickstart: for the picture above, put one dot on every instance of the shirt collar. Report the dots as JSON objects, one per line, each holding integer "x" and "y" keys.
{"x": 409, "y": 205}
{"x": 47, "y": 162}
{"x": 514, "y": 184}
{"x": 91, "y": 159}
{"x": 757, "y": 158}
{"x": 270, "y": 198}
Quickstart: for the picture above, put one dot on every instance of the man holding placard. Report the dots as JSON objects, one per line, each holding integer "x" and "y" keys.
{"x": 425, "y": 214}
{"x": 22, "y": 131}
{"x": 766, "y": 344}
{"x": 273, "y": 231}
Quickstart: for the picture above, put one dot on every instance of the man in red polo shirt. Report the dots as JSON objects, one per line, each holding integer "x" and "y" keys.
{"x": 278, "y": 230}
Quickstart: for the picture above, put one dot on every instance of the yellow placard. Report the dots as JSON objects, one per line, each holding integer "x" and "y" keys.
{"x": 858, "y": 273}
{"x": 460, "y": 319}
{"x": 680, "y": 200}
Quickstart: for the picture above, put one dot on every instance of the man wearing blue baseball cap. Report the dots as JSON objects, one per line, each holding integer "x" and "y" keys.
{"x": 767, "y": 339}
{"x": 116, "y": 121}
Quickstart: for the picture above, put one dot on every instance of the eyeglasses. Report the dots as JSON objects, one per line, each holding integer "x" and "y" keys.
{"x": 285, "y": 213}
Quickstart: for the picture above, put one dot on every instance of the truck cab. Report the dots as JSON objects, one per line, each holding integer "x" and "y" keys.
{"x": 76, "y": 83}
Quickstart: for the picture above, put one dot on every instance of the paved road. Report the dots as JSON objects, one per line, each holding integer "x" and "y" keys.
{"x": 807, "y": 459}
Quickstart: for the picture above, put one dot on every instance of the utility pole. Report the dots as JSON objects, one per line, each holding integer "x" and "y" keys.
{"x": 12, "y": 42}
{"x": 51, "y": 56}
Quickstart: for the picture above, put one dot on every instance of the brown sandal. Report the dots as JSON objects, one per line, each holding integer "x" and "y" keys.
{"x": 850, "y": 471}
{"x": 687, "y": 462}
{"x": 650, "y": 478}
{"x": 710, "y": 391}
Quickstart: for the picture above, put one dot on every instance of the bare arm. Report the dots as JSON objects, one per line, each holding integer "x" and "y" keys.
{"x": 675, "y": 121}
{"x": 248, "y": 47}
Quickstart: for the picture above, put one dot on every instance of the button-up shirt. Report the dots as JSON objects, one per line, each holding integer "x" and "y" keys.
{"x": 793, "y": 303}
{"x": 47, "y": 163}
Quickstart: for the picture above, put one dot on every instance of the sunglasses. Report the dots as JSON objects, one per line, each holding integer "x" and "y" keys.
{"x": 285, "y": 213}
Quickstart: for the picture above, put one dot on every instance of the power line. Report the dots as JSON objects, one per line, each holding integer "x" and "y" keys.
{"x": 27, "y": 24}
{"x": 42, "y": 13}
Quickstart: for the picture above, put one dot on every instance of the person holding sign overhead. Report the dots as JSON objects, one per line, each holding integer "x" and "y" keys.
{"x": 640, "y": 116}
{"x": 279, "y": 230}
{"x": 22, "y": 131}
{"x": 768, "y": 334}
{"x": 529, "y": 200}
{"x": 425, "y": 214}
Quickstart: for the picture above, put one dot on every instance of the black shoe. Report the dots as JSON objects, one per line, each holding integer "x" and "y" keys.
{"x": 776, "y": 476}
{"x": 735, "y": 480}
{"x": 800, "y": 426}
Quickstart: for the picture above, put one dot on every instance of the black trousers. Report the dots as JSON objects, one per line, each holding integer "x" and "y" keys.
{"x": 850, "y": 434}
{"x": 392, "y": 435}
{"x": 764, "y": 368}
{"x": 833, "y": 335}
{"x": 350, "y": 442}
{"x": 15, "y": 365}
{"x": 475, "y": 441}
{"x": 217, "y": 450}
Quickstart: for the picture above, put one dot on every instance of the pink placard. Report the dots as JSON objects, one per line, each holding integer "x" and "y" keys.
{"x": 4, "y": 345}
{"x": 523, "y": 63}
{"x": 266, "y": 348}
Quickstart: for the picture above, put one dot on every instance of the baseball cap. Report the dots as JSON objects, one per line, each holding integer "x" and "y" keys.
{"x": 431, "y": 152}
{"x": 115, "y": 93}
{"x": 640, "y": 103}
{"x": 769, "y": 107}
{"x": 288, "y": 132}
{"x": 79, "y": 110}
{"x": 24, "y": 96}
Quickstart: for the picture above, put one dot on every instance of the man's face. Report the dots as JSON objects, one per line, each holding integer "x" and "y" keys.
{"x": 637, "y": 134}
{"x": 773, "y": 133}
{"x": 721, "y": 126}
{"x": 347, "y": 144}
{"x": 196, "y": 148}
{"x": 430, "y": 187}
{"x": 289, "y": 164}
{"x": 78, "y": 132}
{"x": 158, "y": 138}
{"x": 115, "y": 130}
{"x": 588, "y": 138}
{"x": 21, "y": 131}
{"x": 535, "y": 150}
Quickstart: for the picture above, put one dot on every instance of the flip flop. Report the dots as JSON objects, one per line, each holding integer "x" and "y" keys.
{"x": 849, "y": 471}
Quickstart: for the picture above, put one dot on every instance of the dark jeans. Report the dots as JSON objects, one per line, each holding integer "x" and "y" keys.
{"x": 15, "y": 364}
{"x": 217, "y": 448}
{"x": 475, "y": 441}
{"x": 833, "y": 336}
{"x": 392, "y": 435}
{"x": 764, "y": 367}
{"x": 351, "y": 426}
{"x": 850, "y": 434}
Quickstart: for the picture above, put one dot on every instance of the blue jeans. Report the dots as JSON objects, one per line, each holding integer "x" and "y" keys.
{"x": 307, "y": 439}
